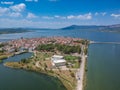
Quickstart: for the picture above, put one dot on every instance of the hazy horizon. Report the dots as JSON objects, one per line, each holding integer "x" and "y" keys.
{"x": 58, "y": 13}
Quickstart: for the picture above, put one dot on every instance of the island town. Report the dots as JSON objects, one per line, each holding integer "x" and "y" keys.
{"x": 61, "y": 57}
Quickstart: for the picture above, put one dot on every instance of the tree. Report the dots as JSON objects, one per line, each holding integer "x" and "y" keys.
{"x": 25, "y": 61}
{"x": 1, "y": 45}
{"x": 72, "y": 74}
{"x": 85, "y": 51}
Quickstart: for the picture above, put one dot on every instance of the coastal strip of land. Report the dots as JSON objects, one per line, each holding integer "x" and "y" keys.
{"x": 61, "y": 57}
{"x": 80, "y": 72}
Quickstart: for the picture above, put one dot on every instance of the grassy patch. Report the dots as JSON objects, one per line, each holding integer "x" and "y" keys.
{"x": 73, "y": 60}
{"x": 3, "y": 57}
{"x": 1, "y": 61}
{"x": 67, "y": 77}
{"x": 70, "y": 57}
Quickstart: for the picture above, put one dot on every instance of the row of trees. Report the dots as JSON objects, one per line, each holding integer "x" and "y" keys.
{"x": 46, "y": 47}
{"x": 25, "y": 61}
{"x": 67, "y": 49}
{"x": 1, "y": 45}
{"x": 83, "y": 42}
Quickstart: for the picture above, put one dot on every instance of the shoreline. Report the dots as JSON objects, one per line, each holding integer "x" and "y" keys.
{"x": 61, "y": 79}
{"x": 71, "y": 79}
{"x": 65, "y": 82}
{"x": 80, "y": 74}
{"x": 79, "y": 83}
{"x": 85, "y": 76}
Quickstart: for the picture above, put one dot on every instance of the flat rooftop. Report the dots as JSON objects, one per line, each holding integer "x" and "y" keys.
{"x": 57, "y": 56}
{"x": 59, "y": 61}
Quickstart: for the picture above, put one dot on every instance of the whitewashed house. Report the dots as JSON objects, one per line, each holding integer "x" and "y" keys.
{"x": 58, "y": 60}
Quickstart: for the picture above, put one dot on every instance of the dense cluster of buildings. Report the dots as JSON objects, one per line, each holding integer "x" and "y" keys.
{"x": 31, "y": 43}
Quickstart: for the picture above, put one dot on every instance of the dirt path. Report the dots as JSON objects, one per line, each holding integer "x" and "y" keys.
{"x": 37, "y": 64}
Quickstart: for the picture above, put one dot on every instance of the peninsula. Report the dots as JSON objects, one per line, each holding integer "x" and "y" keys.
{"x": 13, "y": 30}
{"x": 61, "y": 57}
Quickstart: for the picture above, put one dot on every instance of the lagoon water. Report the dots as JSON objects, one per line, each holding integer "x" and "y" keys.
{"x": 103, "y": 63}
{"x": 17, "y": 79}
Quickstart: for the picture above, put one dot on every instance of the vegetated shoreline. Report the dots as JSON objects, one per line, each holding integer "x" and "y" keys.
{"x": 85, "y": 70}
{"x": 47, "y": 73}
{"x": 39, "y": 72}
{"x": 42, "y": 72}
{"x": 65, "y": 82}
{"x": 2, "y": 57}
{"x": 85, "y": 75}
{"x": 81, "y": 82}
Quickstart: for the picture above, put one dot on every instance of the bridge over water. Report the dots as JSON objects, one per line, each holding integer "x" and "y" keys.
{"x": 94, "y": 42}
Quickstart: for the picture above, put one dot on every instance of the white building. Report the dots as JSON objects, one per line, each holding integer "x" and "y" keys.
{"x": 58, "y": 60}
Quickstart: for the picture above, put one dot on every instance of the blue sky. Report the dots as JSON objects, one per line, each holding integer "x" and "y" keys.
{"x": 58, "y": 13}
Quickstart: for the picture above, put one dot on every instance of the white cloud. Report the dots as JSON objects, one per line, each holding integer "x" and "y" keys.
{"x": 100, "y": 13}
{"x": 47, "y": 17}
{"x": 70, "y": 17}
{"x": 8, "y": 3}
{"x": 59, "y": 17}
{"x": 13, "y": 11}
{"x": 31, "y": 15}
{"x": 31, "y": 0}
{"x": 96, "y": 14}
{"x": 103, "y": 13}
{"x": 115, "y": 15}
{"x": 4, "y": 22}
{"x": 16, "y": 11}
{"x": 15, "y": 14}
{"x": 18, "y": 8}
{"x": 3, "y": 11}
{"x": 54, "y": 17}
{"x": 35, "y": 0}
{"x": 28, "y": 0}
{"x": 87, "y": 16}
{"x": 29, "y": 23}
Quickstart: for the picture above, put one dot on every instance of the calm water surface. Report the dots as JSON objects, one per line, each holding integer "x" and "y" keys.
{"x": 103, "y": 62}
{"x": 103, "y": 67}
{"x": 14, "y": 79}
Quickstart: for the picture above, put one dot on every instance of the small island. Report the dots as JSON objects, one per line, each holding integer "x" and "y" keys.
{"x": 61, "y": 57}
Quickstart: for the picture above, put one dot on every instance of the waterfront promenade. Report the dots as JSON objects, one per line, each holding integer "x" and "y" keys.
{"x": 80, "y": 72}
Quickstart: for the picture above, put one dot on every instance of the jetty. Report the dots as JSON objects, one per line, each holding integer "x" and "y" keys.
{"x": 95, "y": 42}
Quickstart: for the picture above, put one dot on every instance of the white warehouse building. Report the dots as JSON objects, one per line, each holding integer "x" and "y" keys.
{"x": 58, "y": 60}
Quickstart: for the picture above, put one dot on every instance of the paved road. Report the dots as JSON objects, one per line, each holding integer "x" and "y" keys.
{"x": 80, "y": 73}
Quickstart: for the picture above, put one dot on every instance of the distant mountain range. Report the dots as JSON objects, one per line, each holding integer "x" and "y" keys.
{"x": 110, "y": 28}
